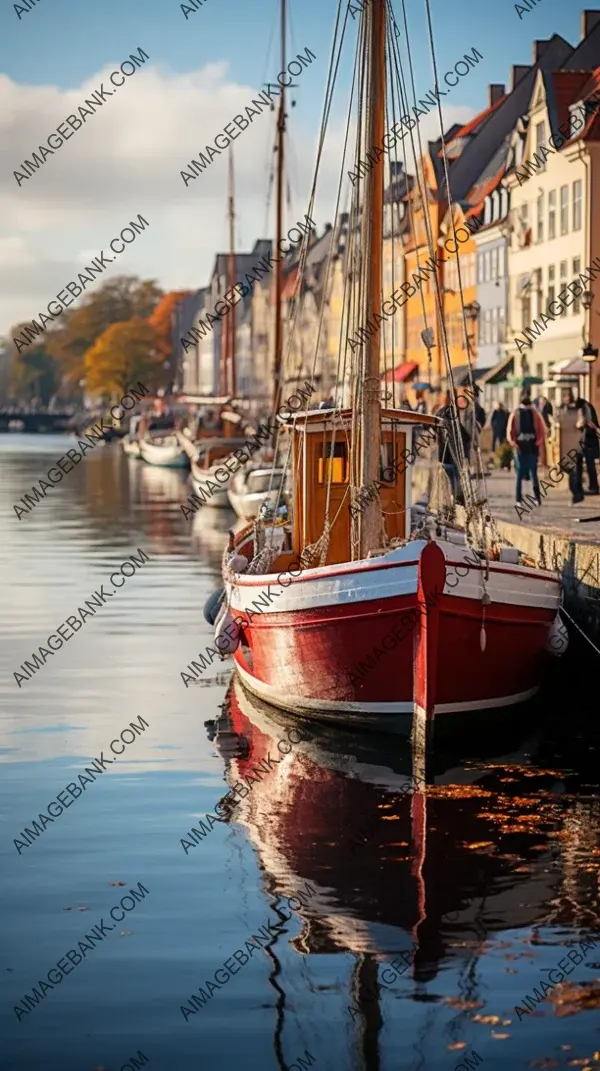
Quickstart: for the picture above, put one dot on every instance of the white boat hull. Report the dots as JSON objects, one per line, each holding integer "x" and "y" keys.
{"x": 167, "y": 454}
{"x": 131, "y": 448}
{"x": 215, "y": 499}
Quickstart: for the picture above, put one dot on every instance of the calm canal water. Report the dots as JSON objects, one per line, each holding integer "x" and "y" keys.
{"x": 476, "y": 894}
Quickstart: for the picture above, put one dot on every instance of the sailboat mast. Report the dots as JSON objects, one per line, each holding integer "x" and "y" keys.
{"x": 231, "y": 278}
{"x": 279, "y": 223}
{"x": 372, "y": 241}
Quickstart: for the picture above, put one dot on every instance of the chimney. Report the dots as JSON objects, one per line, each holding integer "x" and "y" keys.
{"x": 539, "y": 47}
{"x": 516, "y": 73}
{"x": 589, "y": 20}
{"x": 495, "y": 91}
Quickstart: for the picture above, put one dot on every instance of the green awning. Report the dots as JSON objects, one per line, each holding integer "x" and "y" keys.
{"x": 522, "y": 381}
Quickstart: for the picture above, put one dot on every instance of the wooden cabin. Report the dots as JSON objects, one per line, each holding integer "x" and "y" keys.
{"x": 322, "y": 448}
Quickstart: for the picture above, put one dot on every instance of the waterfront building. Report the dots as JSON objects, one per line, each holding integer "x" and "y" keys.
{"x": 554, "y": 201}
{"x": 476, "y": 154}
{"x": 187, "y": 360}
{"x": 491, "y": 274}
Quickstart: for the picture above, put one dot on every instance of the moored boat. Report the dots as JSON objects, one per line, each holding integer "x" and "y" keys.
{"x": 164, "y": 451}
{"x": 131, "y": 448}
{"x": 131, "y": 443}
{"x": 321, "y": 603}
{"x": 250, "y": 488}
{"x": 465, "y": 631}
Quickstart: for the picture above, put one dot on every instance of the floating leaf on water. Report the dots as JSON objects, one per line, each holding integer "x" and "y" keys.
{"x": 569, "y": 999}
{"x": 116, "y": 883}
{"x": 510, "y": 970}
{"x": 500, "y": 1037}
{"x": 456, "y": 1045}
{"x": 488, "y": 1020}
{"x": 463, "y": 1005}
{"x": 125, "y": 933}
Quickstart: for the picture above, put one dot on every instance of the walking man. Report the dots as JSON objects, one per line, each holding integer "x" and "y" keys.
{"x": 499, "y": 422}
{"x": 588, "y": 451}
{"x": 526, "y": 432}
{"x": 450, "y": 432}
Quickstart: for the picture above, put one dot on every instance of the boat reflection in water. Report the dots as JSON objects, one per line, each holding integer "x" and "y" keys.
{"x": 436, "y": 876}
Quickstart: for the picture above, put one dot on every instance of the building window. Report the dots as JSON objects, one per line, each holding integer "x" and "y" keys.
{"x": 540, "y": 137}
{"x": 525, "y": 309}
{"x": 563, "y": 283}
{"x": 551, "y": 215}
{"x": 540, "y": 218}
{"x": 551, "y": 288}
{"x": 494, "y": 325}
{"x": 576, "y": 270}
{"x": 480, "y": 267}
{"x": 538, "y": 288}
{"x": 564, "y": 210}
{"x": 577, "y": 205}
{"x": 486, "y": 266}
{"x": 501, "y": 326}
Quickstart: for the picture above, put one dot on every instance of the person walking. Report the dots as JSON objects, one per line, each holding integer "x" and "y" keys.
{"x": 499, "y": 421}
{"x": 547, "y": 411}
{"x": 588, "y": 451}
{"x": 448, "y": 431}
{"x": 526, "y": 433}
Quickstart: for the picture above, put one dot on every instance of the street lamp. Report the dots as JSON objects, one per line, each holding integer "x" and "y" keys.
{"x": 472, "y": 313}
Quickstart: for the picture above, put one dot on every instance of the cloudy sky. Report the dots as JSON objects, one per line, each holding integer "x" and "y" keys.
{"x": 202, "y": 71}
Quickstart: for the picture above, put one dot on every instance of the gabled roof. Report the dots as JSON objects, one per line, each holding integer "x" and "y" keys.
{"x": 591, "y": 89}
{"x": 563, "y": 88}
{"x": 495, "y": 125}
{"x": 585, "y": 55}
{"x": 474, "y": 125}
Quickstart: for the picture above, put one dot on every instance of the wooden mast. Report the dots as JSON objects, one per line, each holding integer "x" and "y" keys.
{"x": 231, "y": 388}
{"x": 372, "y": 239}
{"x": 279, "y": 225}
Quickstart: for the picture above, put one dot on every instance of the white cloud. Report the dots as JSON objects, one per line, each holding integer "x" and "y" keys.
{"x": 126, "y": 159}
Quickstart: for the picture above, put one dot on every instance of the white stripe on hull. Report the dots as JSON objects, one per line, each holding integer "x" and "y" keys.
{"x": 391, "y": 717}
{"x": 390, "y": 576}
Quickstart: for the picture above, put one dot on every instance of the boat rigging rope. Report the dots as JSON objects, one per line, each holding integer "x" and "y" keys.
{"x": 454, "y": 429}
{"x": 476, "y": 438}
{"x": 562, "y": 610}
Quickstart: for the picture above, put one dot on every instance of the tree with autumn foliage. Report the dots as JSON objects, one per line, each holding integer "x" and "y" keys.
{"x": 118, "y": 300}
{"x": 122, "y": 356}
{"x": 162, "y": 322}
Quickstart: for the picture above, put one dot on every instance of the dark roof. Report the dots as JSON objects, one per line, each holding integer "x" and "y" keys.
{"x": 492, "y": 127}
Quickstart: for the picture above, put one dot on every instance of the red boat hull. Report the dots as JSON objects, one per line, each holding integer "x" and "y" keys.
{"x": 430, "y": 647}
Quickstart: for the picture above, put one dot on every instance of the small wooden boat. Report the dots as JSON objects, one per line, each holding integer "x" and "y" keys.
{"x": 351, "y": 614}
{"x": 250, "y": 488}
{"x": 131, "y": 443}
{"x": 205, "y": 484}
{"x": 131, "y": 448}
{"x": 164, "y": 451}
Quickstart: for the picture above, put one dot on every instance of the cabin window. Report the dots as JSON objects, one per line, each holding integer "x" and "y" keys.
{"x": 386, "y": 461}
{"x": 333, "y": 463}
